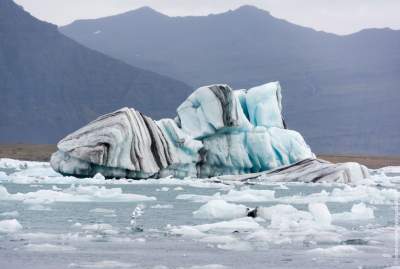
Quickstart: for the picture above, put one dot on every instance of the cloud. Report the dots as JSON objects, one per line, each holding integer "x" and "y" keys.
{"x": 337, "y": 16}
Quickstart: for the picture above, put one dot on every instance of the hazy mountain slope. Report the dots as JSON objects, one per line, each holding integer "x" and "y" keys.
{"x": 341, "y": 92}
{"x": 51, "y": 85}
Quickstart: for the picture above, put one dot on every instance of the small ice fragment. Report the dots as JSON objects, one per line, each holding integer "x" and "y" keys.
{"x": 102, "y": 264}
{"x": 320, "y": 213}
{"x": 358, "y": 212}
{"x": 103, "y": 211}
{"x": 48, "y": 248}
{"x": 137, "y": 213}
{"x": 237, "y": 246}
{"x": 55, "y": 188}
{"x": 220, "y": 209}
{"x": 10, "y": 226}
{"x": 344, "y": 250}
{"x": 99, "y": 176}
{"x": 77, "y": 225}
{"x": 209, "y": 266}
{"x": 159, "y": 206}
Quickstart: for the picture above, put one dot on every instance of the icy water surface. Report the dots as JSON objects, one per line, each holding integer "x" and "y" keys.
{"x": 50, "y": 221}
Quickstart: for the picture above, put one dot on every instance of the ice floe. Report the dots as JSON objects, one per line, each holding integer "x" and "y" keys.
{"x": 335, "y": 251}
{"x": 48, "y": 248}
{"x": 345, "y": 194}
{"x": 358, "y": 212}
{"x": 220, "y": 209}
{"x": 10, "y": 226}
{"x": 74, "y": 194}
{"x": 102, "y": 264}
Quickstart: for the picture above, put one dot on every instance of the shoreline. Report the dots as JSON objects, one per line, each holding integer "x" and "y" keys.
{"x": 42, "y": 152}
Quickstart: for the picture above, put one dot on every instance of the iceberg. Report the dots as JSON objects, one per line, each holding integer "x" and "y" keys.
{"x": 217, "y": 131}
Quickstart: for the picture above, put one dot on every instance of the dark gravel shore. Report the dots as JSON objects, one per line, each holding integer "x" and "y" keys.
{"x": 31, "y": 152}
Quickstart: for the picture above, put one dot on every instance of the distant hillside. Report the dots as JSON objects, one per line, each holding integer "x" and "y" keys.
{"x": 50, "y": 85}
{"x": 341, "y": 92}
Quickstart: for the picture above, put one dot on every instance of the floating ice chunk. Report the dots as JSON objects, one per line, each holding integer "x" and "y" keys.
{"x": 136, "y": 214}
{"x": 346, "y": 194}
{"x": 241, "y": 224}
{"x": 249, "y": 195}
{"x": 99, "y": 176}
{"x": 74, "y": 194}
{"x": 158, "y": 206}
{"x": 10, "y": 226}
{"x": 209, "y": 266}
{"x": 244, "y": 195}
{"x": 320, "y": 213}
{"x": 6, "y": 163}
{"x": 102, "y": 264}
{"x": 237, "y": 246}
{"x": 103, "y": 211}
{"x": 39, "y": 171}
{"x": 358, "y": 212}
{"x": 187, "y": 231}
{"x": 336, "y": 251}
{"x": 77, "y": 225}
{"x": 219, "y": 239}
{"x": 163, "y": 189}
{"x": 103, "y": 228}
{"x": 224, "y": 227}
{"x": 390, "y": 170}
{"x": 178, "y": 188}
{"x": 48, "y": 248}
{"x": 219, "y": 209}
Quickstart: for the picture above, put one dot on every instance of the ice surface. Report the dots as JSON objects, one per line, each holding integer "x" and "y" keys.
{"x": 292, "y": 227}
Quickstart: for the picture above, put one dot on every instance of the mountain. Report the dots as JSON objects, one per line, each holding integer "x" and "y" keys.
{"x": 341, "y": 92}
{"x": 50, "y": 85}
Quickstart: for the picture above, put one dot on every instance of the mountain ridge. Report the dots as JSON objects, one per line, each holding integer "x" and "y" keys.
{"x": 335, "y": 87}
{"x": 52, "y": 85}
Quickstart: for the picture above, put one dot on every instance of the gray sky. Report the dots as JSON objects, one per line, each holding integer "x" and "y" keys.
{"x": 336, "y": 16}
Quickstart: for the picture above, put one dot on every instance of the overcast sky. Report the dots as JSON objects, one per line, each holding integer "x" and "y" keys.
{"x": 336, "y": 16}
